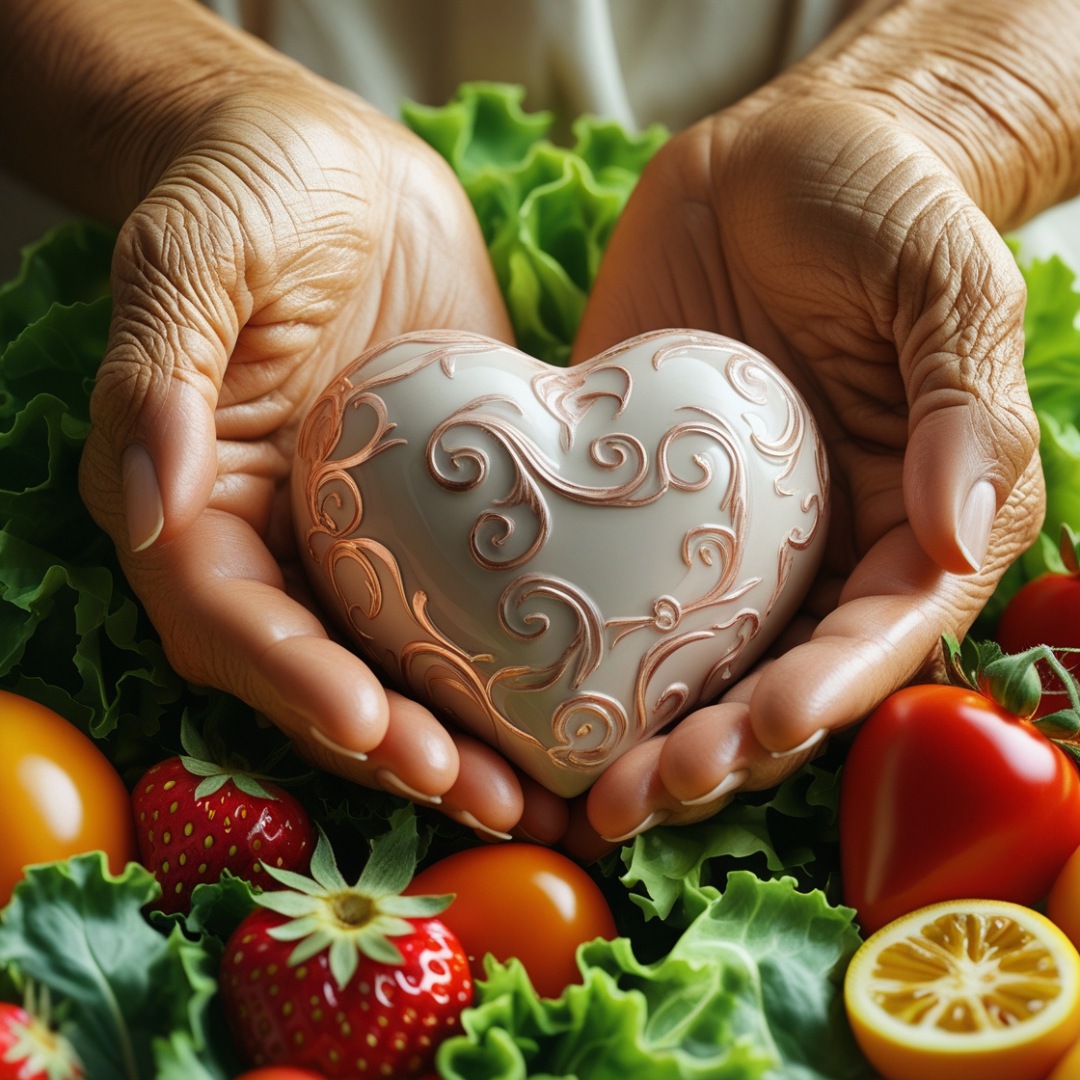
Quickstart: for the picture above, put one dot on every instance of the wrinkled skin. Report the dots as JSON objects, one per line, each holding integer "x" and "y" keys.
{"x": 290, "y": 233}
{"x": 292, "y": 228}
{"x": 829, "y": 238}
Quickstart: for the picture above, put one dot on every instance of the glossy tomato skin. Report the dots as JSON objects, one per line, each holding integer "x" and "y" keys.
{"x": 945, "y": 795}
{"x": 1045, "y": 611}
{"x": 524, "y": 901}
{"x": 59, "y": 795}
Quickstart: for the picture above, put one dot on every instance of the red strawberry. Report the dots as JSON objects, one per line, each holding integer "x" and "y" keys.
{"x": 312, "y": 978}
{"x": 195, "y": 819}
{"x": 31, "y": 1049}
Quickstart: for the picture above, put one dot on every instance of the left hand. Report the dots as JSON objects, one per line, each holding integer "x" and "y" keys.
{"x": 830, "y": 237}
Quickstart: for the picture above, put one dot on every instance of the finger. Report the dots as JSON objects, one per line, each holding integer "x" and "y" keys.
{"x": 691, "y": 773}
{"x": 629, "y": 797}
{"x": 885, "y": 630}
{"x": 416, "y": 758}
{"x": 643, "y": 283}
{"x": 712, "y": 754}
{"x": 486, "y": 796}
{"x": 216, "y": 596}
{"x": 545, "y": 816}
{"x": 174, "y": 327}
{"x": 581, "y": 840}
{"x": 972, "y": 431}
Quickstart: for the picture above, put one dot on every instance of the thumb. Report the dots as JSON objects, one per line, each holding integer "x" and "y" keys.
{"x": 973, "y": 433}
{"x": 151, "y": 459}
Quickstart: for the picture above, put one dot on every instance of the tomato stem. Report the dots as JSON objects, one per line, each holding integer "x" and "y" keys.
{"x": 1012, "y": 681}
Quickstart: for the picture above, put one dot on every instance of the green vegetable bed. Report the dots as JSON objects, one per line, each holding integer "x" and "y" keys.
{"x": 734, "y": 945}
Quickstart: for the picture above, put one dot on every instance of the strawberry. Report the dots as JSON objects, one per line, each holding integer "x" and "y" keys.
{"x": 30, "y": 1048}
{"x": 348, "y": 980}
{"x": 195, "y": 819}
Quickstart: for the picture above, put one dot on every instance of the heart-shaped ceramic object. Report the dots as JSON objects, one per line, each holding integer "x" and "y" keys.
{"x": 561, "y": 560}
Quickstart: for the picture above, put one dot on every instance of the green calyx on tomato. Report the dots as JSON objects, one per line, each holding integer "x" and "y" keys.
{"x": 1046, "y": 611}
{"x": 1013, "y": 682}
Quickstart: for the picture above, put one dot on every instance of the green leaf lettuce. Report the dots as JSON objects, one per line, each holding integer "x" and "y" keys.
{"x": 750, "y": 990}
{"x": 123, "y": 986}
{"x": 546, "y": 211}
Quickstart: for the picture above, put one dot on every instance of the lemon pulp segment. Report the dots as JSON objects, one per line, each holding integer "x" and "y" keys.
{"x": 966, "y": 972}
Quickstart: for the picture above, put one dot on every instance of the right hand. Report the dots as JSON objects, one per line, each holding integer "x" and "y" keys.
{"x": 291, "y": 226}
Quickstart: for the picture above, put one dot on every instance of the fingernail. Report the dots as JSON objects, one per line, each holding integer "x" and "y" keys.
{"x": 732, "y": 782}
{"x": 806, "y": 744}
{"x": 657, "y": 817}
{"x": 463, "y": 817}
{"x": 142, "y": 497}
{"x": 319, "y": 736}
{"x": 396, "y": 786}
{"x": 976, "y": 521}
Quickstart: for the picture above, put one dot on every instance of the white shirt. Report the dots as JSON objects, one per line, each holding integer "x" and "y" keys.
{"x": 635, "y": 61}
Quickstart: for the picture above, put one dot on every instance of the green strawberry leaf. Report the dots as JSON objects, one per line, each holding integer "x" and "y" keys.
{"x": 392, "y": 862}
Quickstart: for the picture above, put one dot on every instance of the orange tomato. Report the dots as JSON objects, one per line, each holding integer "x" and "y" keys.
{"x": 523, "y": 901}
{"x": 1063, "y": 903}
{"x": 1068, "y": 1068}
{"x": 59, "y": 795}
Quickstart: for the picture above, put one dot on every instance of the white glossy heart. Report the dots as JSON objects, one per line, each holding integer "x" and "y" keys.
{"x": 562, "y": 561}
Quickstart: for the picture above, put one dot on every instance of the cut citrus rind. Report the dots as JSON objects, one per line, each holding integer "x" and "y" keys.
{"x": 975, "y": 988}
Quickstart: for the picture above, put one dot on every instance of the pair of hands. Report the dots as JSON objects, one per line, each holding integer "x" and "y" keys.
{"x": 294, "y": 226}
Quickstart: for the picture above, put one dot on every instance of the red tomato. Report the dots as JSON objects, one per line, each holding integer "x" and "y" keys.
{"x": 59, "y": 796}
{"x": 524, "y": 901}
{"x": 1045, "y": 611}
{"x": 944, "y": 796}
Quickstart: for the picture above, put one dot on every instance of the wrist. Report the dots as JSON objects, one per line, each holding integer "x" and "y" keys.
{"x": 989, "y": 86}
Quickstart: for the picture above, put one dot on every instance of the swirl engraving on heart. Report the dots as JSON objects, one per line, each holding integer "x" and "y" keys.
{"x": 561, "y": 561}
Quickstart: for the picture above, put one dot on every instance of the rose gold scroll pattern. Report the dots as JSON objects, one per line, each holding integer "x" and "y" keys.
{"x": 432, "y": 665}
{"x": 752, "y": 379}
{"x": 587, "y": 727}
{"x": 534, "y": 476}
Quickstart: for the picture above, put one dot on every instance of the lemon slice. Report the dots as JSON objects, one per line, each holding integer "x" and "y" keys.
{"x": 979, "y": 989}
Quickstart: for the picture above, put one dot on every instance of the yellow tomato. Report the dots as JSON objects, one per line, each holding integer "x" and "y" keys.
{"x": 1063, "y": 903}
{"x": 59, "y": 795}
{"x": 965, "y": 990}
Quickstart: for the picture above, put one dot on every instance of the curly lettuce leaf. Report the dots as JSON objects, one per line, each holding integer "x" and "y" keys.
{"x": 752, "y": 989}
{"x": 546, "y": 211}
{"x": 1052, "y": 367}
{"x": 120, "y": 986}
{"x": 1052, "y": 336}
{"x": 73, "y": 635}
{"x": 68, "y": 265}
{"x": 790, "y": 831}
